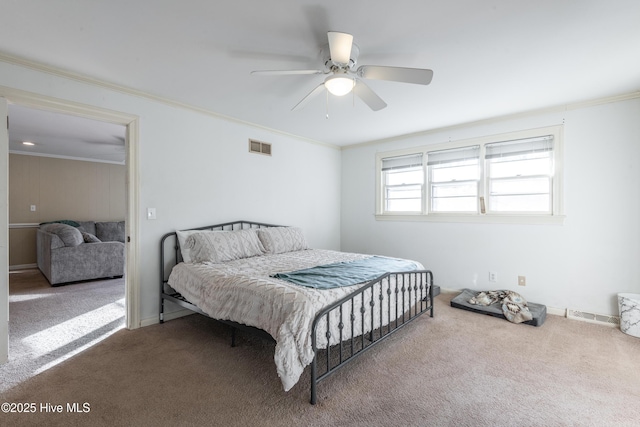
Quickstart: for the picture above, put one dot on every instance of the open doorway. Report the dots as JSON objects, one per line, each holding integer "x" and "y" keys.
{"x": 68, "y": 171}
{"x": 129, "y": 304}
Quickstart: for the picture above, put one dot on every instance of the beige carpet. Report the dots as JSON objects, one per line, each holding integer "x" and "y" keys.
{"x": 48, "y": 325}
{"x": 456, "y": 369}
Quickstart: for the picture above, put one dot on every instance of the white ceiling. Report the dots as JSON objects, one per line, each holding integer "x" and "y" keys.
{"x": 490, "y": 58}
{"x": 65, "y": 136}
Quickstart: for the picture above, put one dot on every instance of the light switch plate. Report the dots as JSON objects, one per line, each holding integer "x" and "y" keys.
{"x": 151, "y": 213}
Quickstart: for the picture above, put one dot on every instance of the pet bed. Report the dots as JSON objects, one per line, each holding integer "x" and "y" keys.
{"x": 461, "y": 301}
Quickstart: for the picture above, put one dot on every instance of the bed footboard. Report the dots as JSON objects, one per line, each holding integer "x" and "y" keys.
{"x": 354, "y": 324}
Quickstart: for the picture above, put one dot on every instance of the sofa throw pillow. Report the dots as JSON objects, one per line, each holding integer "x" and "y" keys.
{"x": 221, "y": 246}
{"x": 111, "y": 231}
{"x": 277, "y": 240}
{"x": 89, "y": 238}
{"x": 69, "y": 235}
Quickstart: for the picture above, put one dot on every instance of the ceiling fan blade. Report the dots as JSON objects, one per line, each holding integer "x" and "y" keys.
{"x": 340, "y": 47}
{"x": 309, "y": 97}
{"x": 286, "y": 72}
{"x": 368, "y": 96}
{"x": 419, "y": 76}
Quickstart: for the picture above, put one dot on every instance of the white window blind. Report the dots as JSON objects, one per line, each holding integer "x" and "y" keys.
{"x": 519, "y": 147}
{"x": 402, "y": 162}
{"x": 453, "y": 155}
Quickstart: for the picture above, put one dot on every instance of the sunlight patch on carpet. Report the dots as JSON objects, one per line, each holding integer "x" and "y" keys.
{"x": 116, "y": 325}
{"x": 60, "y": 335}
{"x": 27, "y": 297}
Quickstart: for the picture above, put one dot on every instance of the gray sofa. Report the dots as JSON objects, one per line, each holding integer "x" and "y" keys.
{"x": 72, "y": 251}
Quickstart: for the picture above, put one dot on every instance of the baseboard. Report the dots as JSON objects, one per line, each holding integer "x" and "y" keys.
{"x": 557, "y": 311}
{"x": 167, "y": 316}
{"x": 22, "y": 267}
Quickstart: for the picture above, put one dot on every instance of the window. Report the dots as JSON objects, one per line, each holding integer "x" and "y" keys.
{"x": 454, "y": 178}
{"x": 403, "y": 179}
{"x": 513, "y": 178}
{"x": 519, "y": 175}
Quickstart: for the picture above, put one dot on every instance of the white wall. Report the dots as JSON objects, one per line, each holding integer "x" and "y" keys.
{"x": 195, "y": 169}
{"x": 580, "y": 265}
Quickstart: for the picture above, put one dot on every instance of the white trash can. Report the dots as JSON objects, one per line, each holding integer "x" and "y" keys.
{"x": 629, "y": 305}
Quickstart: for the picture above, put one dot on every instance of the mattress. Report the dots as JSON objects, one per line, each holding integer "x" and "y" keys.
{"x": 461, "y": 301}
{"x": 242, "y": 291}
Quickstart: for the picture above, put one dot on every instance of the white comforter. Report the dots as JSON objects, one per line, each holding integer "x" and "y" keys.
{"x": 243, "y": 292}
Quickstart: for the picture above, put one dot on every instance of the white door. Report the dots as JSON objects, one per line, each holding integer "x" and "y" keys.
{"x": 4, "y": 233}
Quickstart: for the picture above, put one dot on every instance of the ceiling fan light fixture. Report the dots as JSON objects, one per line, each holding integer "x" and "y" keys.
{"x": 339, "y": 85}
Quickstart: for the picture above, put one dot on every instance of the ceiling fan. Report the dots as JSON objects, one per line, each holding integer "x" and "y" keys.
{"x": 340, "y": 58}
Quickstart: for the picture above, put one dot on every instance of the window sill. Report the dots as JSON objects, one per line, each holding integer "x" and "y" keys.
{"x": 477, "y": 219}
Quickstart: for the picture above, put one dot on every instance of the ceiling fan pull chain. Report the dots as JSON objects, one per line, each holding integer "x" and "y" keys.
{"x": 327, "y": 104}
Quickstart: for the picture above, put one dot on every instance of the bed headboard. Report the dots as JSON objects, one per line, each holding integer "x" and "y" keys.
{"x": 170, "y": 249}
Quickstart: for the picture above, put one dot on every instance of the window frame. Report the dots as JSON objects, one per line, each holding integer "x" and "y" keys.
{"x": 555, "y": 216}
{"x": 384, "y": 187}
{"x": 430, "y": 183}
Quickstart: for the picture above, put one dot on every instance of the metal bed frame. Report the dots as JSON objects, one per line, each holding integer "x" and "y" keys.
{"x": 413, "y": 293}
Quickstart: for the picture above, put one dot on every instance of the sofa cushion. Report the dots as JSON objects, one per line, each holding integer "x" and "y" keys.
{"x": 110, "y": 231}
{"x": 69, "y": 235}
{"x": 87, "y": 226}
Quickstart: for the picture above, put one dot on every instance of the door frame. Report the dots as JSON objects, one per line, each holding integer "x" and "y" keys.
{"x": 4, "y": 233}
{"x": 131, "y": 123}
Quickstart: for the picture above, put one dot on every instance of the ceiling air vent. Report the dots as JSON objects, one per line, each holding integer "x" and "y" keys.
{"x": 259, "y": 147}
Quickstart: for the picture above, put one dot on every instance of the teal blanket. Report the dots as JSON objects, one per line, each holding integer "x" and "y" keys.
{"x": 346, "y": 273}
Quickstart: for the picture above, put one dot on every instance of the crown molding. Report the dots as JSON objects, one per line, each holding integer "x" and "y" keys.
{"x": 56, "y": 156}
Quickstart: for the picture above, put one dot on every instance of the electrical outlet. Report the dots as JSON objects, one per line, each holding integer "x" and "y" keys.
{"x": 522, "y": 281}
{"x": 493, "y": 276}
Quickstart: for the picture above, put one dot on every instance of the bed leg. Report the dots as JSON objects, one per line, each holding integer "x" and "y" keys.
{"x": 430, "y": 277}
{"x": 313, "y": 381}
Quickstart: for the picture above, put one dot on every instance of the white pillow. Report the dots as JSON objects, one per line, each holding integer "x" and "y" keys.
{"x": 277, "y": 240}
{"x": 221, "y": 246}
{"x": 182, "y": 238}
